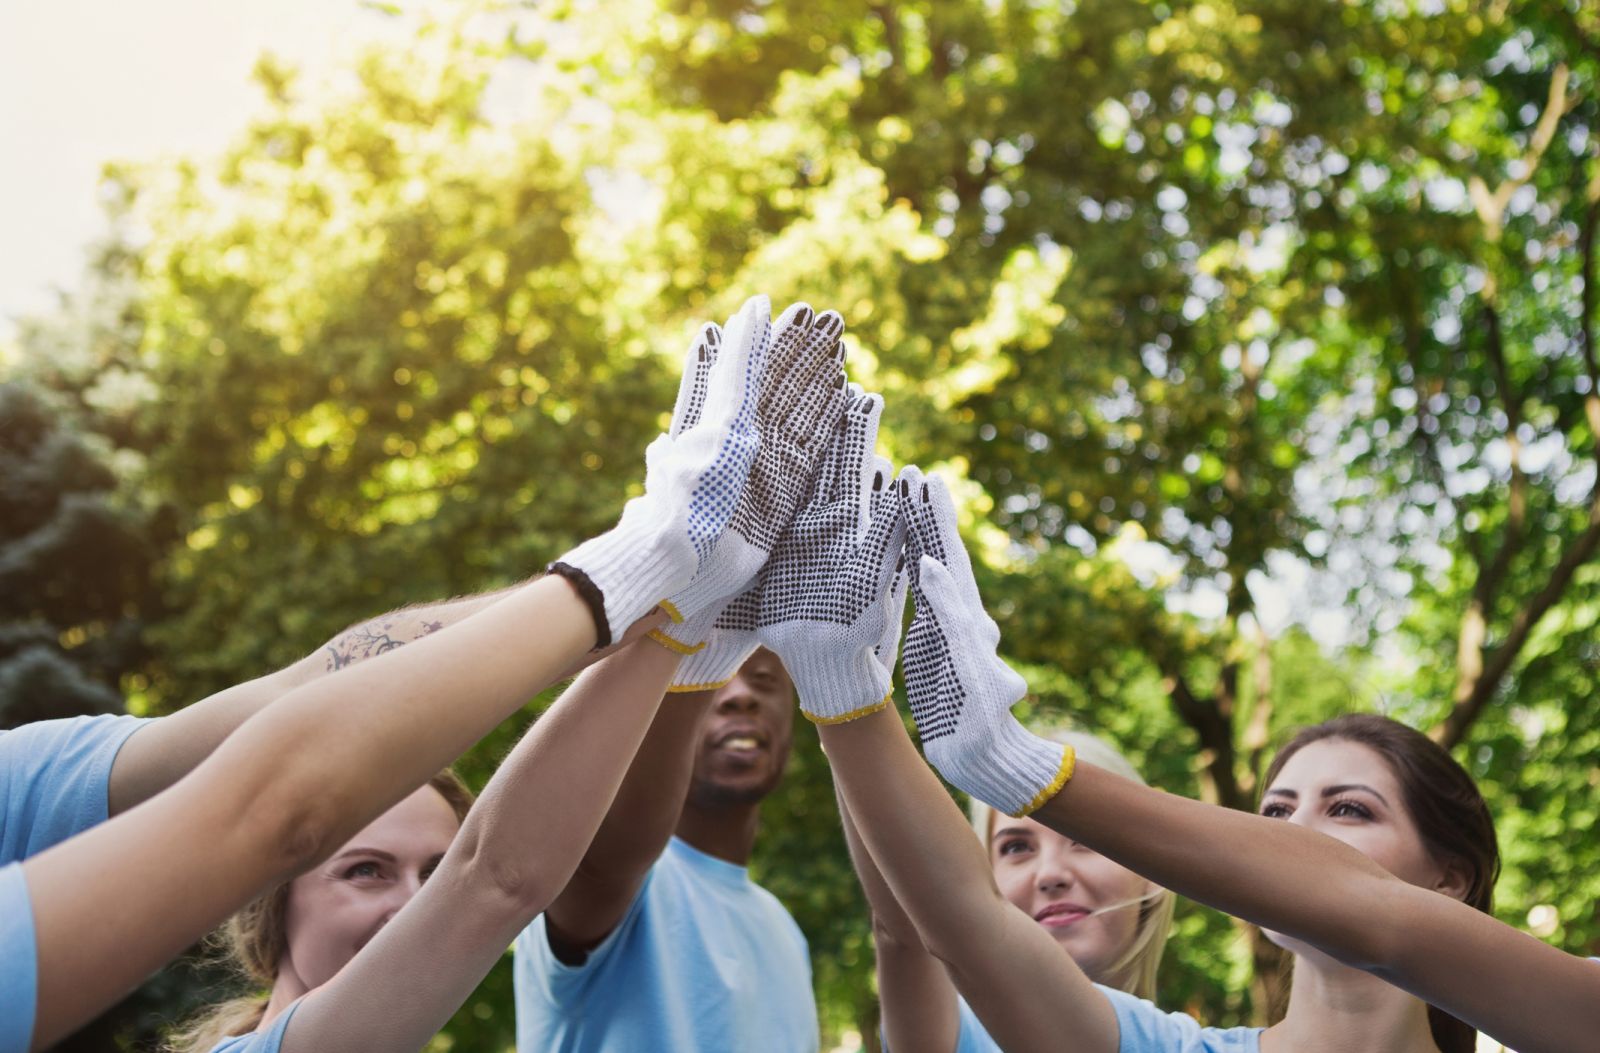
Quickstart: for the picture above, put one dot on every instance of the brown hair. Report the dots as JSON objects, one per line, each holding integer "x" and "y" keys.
{"x": 1444, "y": 804}
{"x": 254, "y": 942}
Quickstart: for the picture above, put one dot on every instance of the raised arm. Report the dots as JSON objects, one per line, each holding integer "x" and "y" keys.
{"x": 802, "y": 397}
{"x": 1522, "y": 992}
{"x": 518, "y": 847}
{"x": 830, "y": 607}
{"x": 164, "y": 751}
{"x": 635, "y": 829}
{"x": 304, "y": 773}
{"x": 1024, "y": 988}
{"x": 916, "y": 997}
{"x": 114, "y": 903}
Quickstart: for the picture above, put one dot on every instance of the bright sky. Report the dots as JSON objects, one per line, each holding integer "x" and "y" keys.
{"x": 83, "y": 82}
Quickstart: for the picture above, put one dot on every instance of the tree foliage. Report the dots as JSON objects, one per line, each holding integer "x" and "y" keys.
{"x": 1181, "y": 292}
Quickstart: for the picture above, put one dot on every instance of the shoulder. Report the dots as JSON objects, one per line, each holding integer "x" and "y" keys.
{"x": 43, "y": 740}
{"x": 268, "y": 1041}
{"x": 1145, "y": 1028}
{"x": 781, "y": 919}
{"x": 54, "y": 777}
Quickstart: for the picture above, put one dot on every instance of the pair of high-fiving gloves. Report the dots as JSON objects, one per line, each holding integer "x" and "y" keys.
{"x": 768, "y": 519}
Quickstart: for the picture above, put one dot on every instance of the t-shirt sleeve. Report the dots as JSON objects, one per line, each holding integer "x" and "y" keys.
{"x": 538, "y": 973}
{"x": 19, "y": 961}
{"x": 54, "y": 777}
{"x": 1144, "y": 1028}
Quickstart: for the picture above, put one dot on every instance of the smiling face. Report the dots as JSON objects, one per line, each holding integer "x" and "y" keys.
{"x": 1347, "y": 790}
{"x": 745, "y": 737}
{"x": 1067, "y": 888}
{"x": 334, "y": 910}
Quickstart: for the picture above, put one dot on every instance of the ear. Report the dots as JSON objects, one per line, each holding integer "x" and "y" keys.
{"x": 1454, "y": 880}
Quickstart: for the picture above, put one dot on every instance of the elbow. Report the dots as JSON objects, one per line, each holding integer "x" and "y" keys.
{"x": 512, "y": 885}
{"x": 896, "y": 934}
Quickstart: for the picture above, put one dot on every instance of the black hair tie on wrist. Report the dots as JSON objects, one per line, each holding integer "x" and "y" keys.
{"x": 592, "y": 597}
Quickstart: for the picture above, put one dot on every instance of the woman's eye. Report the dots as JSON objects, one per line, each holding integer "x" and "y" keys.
{"x": 1350, "y": 810}
{"x": 1275, "y": 811}
{"x": 1011, "y": 848}
{"x": 361, "y": 870}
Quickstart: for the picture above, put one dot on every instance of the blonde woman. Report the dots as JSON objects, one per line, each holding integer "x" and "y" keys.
{"x": 1137, "y": 912}
{"x": 395, "y": 855}
{"x": 1109, "y": 921}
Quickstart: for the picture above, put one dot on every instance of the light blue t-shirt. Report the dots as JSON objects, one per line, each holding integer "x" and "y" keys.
{"x": 1147, "y": 1029}
{"x": 266, "y": 1041}
{"x": 1143, "y": 1029}
{"x": 704, "y": 961}
{"x": 19, "y": 962}
{"x": 54, "y": 777}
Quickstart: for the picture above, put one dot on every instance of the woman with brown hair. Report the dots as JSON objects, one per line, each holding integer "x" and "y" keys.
{"x": 1394, "y": 947}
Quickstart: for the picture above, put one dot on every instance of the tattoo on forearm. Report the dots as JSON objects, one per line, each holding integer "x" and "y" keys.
{"x": 369, "y": 639}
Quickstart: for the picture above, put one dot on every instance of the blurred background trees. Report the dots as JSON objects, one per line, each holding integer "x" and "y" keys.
{"x": 1257, "y": 335}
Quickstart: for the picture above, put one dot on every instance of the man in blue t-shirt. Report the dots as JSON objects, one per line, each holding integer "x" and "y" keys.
{"x": 661, "y": 941}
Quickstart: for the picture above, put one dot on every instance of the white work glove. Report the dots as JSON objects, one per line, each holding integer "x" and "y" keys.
{"x": 695, "y": 475}
{"x": 803, "y": 394}
{"x": 961, "y": 692}
{"x": 827, "y": 595}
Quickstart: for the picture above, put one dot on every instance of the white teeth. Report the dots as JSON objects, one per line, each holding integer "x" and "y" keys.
{"x": 740, "y": 742}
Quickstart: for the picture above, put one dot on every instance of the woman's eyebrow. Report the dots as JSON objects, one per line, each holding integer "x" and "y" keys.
{"x": 376, "y": 853}
{"x": 1334, "y": 791}
{"x": 1009, "y": 831}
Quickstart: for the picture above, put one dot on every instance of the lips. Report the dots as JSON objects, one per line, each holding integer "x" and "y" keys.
{"x": 1060, "y": 915}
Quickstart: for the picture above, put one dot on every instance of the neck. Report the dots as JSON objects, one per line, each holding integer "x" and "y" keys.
{"x": 1336, "y": 1009}
{"x": 727, "y": 832}
{"x": 286, "y": 987}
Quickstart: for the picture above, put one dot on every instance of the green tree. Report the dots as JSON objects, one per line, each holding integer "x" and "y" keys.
{"x": 1179, "y": 289}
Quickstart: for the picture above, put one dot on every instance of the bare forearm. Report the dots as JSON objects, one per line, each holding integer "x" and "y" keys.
{"x": 516, "y": 850}
{"x": 917, "y": 999}
{"x": 1012, "y": 972}
{"x": 1526, "y": 994}
{"x": 541, "y": 812}
{"x": 290, "y": 786}
{"x": 164, "y": 751}
{"x": 638, "y": 825}
{"x": 932, "y": 867}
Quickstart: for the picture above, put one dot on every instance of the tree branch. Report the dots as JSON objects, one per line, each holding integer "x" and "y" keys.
{"x": 1467, "y": 708}
{"x": 1591, "y": 366}
{"x": 1215, "y": 730}
{"x": 1487, "y": 587}
{"x": 1491, "y": 207}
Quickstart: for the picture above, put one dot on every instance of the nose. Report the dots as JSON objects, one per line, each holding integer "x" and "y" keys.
{"x": 1055, "y": 872}
{"x": 736, "y": 697}
{"x": 400, "y": 894}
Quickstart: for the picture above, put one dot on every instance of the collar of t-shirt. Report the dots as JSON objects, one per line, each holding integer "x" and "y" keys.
{"x": 708, "y": 866}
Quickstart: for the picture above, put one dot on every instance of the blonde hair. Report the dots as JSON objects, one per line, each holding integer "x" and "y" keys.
{"x": 1135, "y": 969}
{"x": 254, "y": 942}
